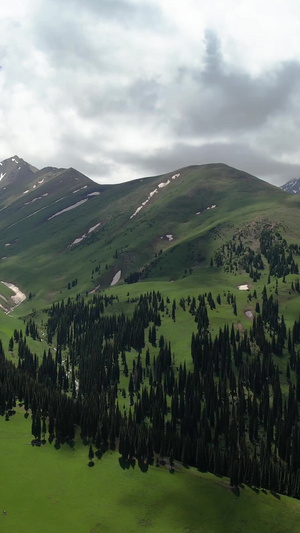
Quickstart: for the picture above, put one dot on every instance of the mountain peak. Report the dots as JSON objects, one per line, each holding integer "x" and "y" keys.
{"x": 292, "y": 186}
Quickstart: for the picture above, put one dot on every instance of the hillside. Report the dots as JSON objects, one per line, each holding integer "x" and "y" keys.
{"x": 67, "y": 229}
{"x": 160, "y": 335}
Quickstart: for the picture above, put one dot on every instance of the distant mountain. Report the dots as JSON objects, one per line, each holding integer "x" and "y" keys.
{"x": 19, "y": 179}
{"x": 292, "y": 186}
{"x": 15, "y": 170}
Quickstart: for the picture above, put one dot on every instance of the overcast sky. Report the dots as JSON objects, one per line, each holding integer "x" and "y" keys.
{"x": 121, "y": 89}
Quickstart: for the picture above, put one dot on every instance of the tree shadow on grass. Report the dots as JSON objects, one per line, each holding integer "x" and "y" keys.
{"x": 236, "y": 491}
{"x": 124, "y": 463}
{"x": 91, "y": 464}
{"x": 275, "y": 494}
{"x": 255, "y": 489}
{"x": 143, "y": 466}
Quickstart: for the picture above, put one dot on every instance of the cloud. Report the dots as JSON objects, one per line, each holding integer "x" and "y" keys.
{"x": 229, "y": 100}
{"x": 237, "y": 155}
{"x": 122, "y": 89}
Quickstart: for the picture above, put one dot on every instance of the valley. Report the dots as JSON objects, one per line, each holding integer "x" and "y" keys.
{"x": 150, "y": 349}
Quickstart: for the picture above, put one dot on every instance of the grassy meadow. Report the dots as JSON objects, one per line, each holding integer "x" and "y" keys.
{"x": 45, "y": 489}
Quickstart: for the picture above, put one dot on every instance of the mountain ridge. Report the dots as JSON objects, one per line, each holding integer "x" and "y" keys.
{"x": 292, "y": 186}
{"x": 76, "y": 229}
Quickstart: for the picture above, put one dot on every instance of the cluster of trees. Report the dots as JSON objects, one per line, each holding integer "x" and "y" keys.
{"x": 72, "y": 283}
{"x": 227, "y": 412}
{"x": 278, "y": 254}
{"x": 236, "y": 256}
{"x": 133, "y": 277}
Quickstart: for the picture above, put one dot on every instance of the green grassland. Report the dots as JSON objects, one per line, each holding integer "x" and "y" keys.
{"x": 45, "y": 489}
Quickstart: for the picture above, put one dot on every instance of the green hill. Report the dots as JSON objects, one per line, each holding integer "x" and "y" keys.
{"x": 70, "y": 228}
{"x": 158, "y": 345}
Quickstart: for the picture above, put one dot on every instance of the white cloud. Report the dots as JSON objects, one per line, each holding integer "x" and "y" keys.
{"x": 115, "y": 89}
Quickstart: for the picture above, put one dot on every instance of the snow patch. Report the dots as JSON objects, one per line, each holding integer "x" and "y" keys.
{"x": 207, "y": 209}
{"x": 243, "y": 287}
{"x": 152, "y": 193}
{"x": 94, "y": 227}
{"x": 81, "y": 188}
{"x": 116, "y": 278}
{"x": 170, "y": 237}
{"x": 68, "y": 209}
{"x": 95, "y": 289}
{"x": 8, "y": 244}
{"x": 96, "y": 193}
{"x": 163, "y": 184}
{"x": 79, "y": 239}
{"x": 15, "y": 161}
{"x": 41, "y": 181}
{"x": 137, "y": 211}
{"x": 2, "y": 175}
{"x": 37, "y": 198}
{"x": 249, "y": 314}
{"x": 25, "y": 192}
{"x": 19, "y": 296}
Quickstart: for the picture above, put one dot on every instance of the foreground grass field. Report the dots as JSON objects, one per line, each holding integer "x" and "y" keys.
{"x": 44, "y": 489}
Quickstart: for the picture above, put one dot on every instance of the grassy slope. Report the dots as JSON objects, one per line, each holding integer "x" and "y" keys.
{"x": 66, "y": 494}
{"x": 44, "y": 488}
{"x": 41, "y": 262}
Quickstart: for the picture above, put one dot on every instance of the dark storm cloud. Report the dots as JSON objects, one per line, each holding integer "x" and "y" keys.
{"x": 226, "y": 99}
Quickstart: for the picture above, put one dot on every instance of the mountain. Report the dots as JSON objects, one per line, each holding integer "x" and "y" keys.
{"x": 187, "y": 356}
{"x": 291, "y": 186}
{"x": 14, "y": 171}
{"x": 60, "y": 226}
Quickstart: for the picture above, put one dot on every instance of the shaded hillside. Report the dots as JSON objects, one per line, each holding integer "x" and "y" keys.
{"x": 71, "y": 229}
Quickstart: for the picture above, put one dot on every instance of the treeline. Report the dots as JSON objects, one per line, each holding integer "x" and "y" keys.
{"x": 228, "y": 413}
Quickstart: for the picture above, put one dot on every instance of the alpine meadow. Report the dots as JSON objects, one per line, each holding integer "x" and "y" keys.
{"x": 150, "y": 369}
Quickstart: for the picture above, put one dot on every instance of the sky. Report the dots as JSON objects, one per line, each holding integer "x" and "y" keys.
{"x": 121, "y": 89}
